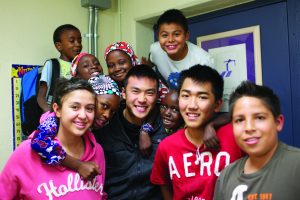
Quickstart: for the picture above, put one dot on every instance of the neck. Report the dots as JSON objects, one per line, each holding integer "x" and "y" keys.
{"x": 73, "y": 145}
{"x": 132, "y": 119}
{"x": 255, "y": 163}
{"x": 65, "y": 58}
{"x": 195, "y": 136}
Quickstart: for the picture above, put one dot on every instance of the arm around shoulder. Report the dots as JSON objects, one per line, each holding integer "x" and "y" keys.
{"x": 166, "y": 192}
{"x": 41, "y": 97}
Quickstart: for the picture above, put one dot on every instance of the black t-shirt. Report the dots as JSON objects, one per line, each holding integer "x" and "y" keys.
{"x": 132, "y": 130}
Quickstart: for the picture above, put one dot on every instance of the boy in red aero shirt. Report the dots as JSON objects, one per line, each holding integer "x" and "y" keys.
{"x": 183, "y": 166}
{"x": 271, "y": 170}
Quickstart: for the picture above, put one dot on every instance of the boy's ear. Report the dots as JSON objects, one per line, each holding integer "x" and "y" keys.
{"x": 58, "y": 46}
{"x": 56, "y": 110}
{"x": 279, "y": 122}
{"x": 123, "y": 93}
{"x": 187, "y": 36}
{"x": 218, "y": 105}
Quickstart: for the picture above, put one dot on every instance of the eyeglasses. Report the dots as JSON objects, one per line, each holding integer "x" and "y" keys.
{"x": 165, "y": 108}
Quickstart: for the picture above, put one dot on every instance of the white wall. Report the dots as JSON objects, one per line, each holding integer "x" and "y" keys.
{"x": 26, "y": 38}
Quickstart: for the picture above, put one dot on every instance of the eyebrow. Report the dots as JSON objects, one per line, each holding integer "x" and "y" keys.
{"x": 137, "y": 88}
{"x": 189, "y": 91}
{"x": 161, "y": 32}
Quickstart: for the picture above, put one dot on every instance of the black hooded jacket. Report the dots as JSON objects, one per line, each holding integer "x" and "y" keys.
{"x": 127, "y": 171}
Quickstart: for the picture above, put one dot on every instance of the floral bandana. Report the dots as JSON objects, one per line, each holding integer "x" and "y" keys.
{"x": 104, "y": 85}
{"x": 173, "y": 80}
{"x": 75, "y": 62}
{"x": 44, "y": 142}
{"x": 123, "y": 46}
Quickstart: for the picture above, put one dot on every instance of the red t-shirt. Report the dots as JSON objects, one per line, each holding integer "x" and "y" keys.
{"x": 191, "y": 178}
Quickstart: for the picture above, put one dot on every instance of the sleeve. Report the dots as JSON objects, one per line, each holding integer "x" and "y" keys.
{"x": 9, "y": 187}
{"x": 151, "y": 53}
{"x": 10, "y": 176}
{"x": 160, "y": 172}
{"x": 44, "y": 143}
{"x": 228, "y": 143}
{"x": 47, "y": 73}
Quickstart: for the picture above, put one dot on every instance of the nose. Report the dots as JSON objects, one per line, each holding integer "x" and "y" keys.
{"x": 167, "y": 112}
{"x": 117, "y": 68}
{"x": 82, "y": 114}
{"x": 193, "y": 104}
{"x": 78, "y": 43}
{"x": 142, "y": 97}
{"x": 249, "y": 126}
{"x": 171, "y": 38}
{"x": 106, "y": 114}
{"x": 93, "y": 66}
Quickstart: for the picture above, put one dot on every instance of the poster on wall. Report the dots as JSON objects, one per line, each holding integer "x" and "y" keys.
{"x": 237, "y": 57}
{"x": 17, "y": 72}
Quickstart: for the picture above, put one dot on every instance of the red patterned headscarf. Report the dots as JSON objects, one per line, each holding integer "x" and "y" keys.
{"x": 75, "y": 62}
{"x": 125, "y": 47}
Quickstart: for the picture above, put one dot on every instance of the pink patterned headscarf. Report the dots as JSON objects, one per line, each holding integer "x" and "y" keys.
{"x": 75, "y": 62}
{"x": 125, "y": 47}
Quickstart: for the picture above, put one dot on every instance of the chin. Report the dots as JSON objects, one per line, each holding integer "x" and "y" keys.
{"x": 80, "y": 132}
{"x": 193, "y": 125}
{"x": 172, "y": 53}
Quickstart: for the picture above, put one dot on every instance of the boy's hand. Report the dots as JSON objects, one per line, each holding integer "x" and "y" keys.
{"x": 210, "y": 138}
{"x": 145, "y": 143}
{"x": 88, "y": 170}
{"x": 147, "y": 62}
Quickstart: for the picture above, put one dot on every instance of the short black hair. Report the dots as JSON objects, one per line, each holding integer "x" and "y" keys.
{"x": 141, "y": 71}
{"x": 265, "y": 94}
{"x": 204, "y": 74}
{"x": 172, "y": 16}
{"x": 59, "y": 30}
{"x": 64, "y": 86}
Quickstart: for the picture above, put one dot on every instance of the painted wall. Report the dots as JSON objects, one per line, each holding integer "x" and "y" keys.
{"x": 27, "y": 28}
{"x": 26, "y": 38}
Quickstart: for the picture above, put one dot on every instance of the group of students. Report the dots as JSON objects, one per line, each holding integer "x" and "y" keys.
{"x": 127, "y": 136}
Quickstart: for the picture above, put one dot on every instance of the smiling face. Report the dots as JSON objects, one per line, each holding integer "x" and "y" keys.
{"x": 140, "y": 95}
{"x": 255, "y": 128}
{"x": 88, "y": 66}
{"x": 76, "y": 114}
{"x": 69, "y": 45}
{"x": 107, "y": 106}
{"x": 197, "y": 104}
{"x": 172, "y": 39}
{"x": 169, "y": 110}
{"x": 118, "y": 64}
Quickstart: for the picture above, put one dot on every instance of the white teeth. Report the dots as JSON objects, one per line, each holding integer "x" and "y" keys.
{"x": 141, "y": 108}
{"x": 193, "y": 115}
{"x": 171, "y": 47}
{"x": 251, "y": 140}
{"x": 166, "y": 121}
{"x": 118, "y": 75}
{"x": 80, "y": 124}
